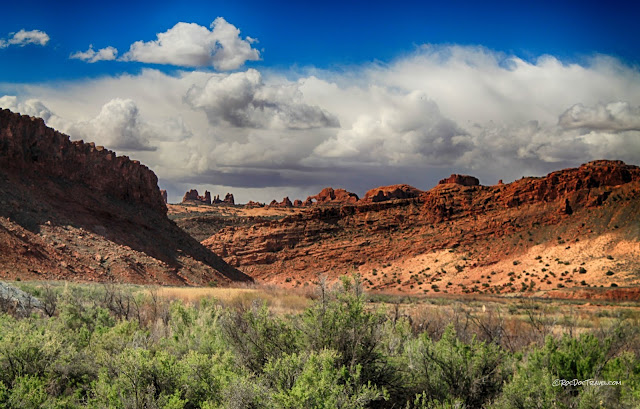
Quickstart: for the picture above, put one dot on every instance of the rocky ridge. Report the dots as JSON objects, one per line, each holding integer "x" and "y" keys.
{"x": 73, "y": 210}
{"x": 330, "y": 196}
{"x": 30, "y": 148}
{"x": 460, "y": 227}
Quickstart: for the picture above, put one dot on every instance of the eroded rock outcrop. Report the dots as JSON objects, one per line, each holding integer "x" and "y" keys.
{"x": 192, "y": 196}
{"x": 464, "y": 180}
{"x": 163, "y": 193}
{"x": 251, "y": 204}
{"x": 330, "y": 196}
{"x": 286, "y": 202}
{"x": 384, "y": 193}
{"x": 228, "y": 199}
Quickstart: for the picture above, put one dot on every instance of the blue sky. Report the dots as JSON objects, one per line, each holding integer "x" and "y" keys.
{"x": 322, "y": 34}
{"x": 348, "y": 94}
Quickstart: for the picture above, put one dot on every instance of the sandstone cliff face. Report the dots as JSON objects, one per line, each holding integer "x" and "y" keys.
{"x": 578, "y": 187}
{"x": 163, "y": 193}
{"x": 28, "y": 146}
{"x": 484, "y": 224}
{"x": 74, "y": 211}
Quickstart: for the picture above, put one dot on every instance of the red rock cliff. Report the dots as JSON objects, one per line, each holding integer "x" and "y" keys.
{"x": 28, "y": 146}
{"x": 74, "y": 211}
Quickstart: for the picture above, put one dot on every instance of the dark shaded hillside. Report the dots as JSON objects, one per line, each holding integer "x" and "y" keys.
{"x": 70, "y": 210}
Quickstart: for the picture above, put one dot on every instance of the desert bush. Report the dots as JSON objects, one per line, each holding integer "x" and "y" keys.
{"x": 26, "y": 349}
{"x": 138, "y": 378}
{"x": 317, "y": 380}
{"x": 257, "y": 336}
{"x": 573, "y": 358}
{"x": 121, "y": 302}
{"x": 204, "y": 378}
{"x": 449, "y": 369}
{"x": 245, "y": 393}
{"x": 27, "y": 392}
{"x": 421, "y": 401}
{"x": 528, "y": 390}
{"x": 365, "y": 340}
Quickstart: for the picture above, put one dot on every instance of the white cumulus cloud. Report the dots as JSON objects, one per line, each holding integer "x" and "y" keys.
{"x": 242, "y": 99}
{"x": 615, "y": 117}
{"x": 24, "y": 37}
{"x": 192, "y": 45}
{"x": 118, "y": 126}
{"x": 31, "y": 107}
{"x": 402, "y": 128}
{"x": 414, "y": 120}
{"x": 104, "y": 54}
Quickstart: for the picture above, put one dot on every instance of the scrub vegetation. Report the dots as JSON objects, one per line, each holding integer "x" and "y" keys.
{"x": 107, "y": 346}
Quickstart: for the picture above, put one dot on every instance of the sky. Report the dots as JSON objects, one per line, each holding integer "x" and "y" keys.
{"x": 273, "y": 99}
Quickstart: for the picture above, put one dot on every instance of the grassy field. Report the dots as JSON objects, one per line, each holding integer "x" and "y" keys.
{"x": 432, "y": 313}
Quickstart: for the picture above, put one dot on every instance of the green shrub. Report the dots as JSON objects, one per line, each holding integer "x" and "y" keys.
{"x": 317, "y": 380}
{"x": 528, "y": 390}
{"x": 421, "y": 401}
{"x": 341, "y": 352}
{"x": 257, "y": 336}
{"x": 27, "y": 392}
{"x": 342, "y": 322}
{"x": 450, "y": 369}
{"x": 582, "y": 358}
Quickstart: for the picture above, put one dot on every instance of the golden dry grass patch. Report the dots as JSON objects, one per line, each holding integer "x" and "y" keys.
{"x": 225, "y": 210}
{"x": 195, "y": 294}
{"x": 278, "y": 300}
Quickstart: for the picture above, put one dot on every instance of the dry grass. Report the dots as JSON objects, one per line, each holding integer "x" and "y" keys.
{"x": 278, "y": 300}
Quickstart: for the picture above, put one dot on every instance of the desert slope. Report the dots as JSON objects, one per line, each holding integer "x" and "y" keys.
{"x": 574, "y": 228}
{"x": 71, "y": 210}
